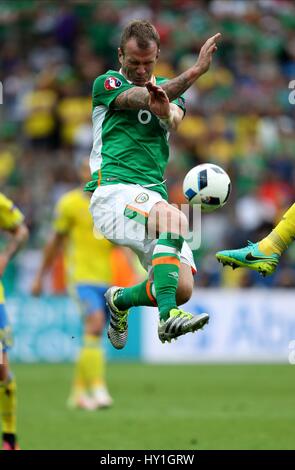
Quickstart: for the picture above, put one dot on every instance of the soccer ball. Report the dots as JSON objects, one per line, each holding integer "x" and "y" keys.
{"x": 207, "y": 185}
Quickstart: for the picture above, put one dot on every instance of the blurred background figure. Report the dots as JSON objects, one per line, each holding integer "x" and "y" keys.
{"x": 89, "y": 273}
{"x": 12, "y": 222}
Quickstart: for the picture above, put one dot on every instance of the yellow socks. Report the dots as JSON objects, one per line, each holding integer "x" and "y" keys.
{"x": 90, "y": 366}
{"x": 281, "y": 236}
{"x": 8, "y": 406}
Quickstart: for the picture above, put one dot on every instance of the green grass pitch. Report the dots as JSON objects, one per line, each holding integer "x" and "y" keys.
{"x": 161, "y": 407}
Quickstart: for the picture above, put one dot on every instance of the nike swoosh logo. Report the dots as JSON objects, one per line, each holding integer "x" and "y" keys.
{"x": 250, "y": 257}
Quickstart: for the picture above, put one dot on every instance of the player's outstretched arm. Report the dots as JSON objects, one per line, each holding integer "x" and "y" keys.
{"x": 139, "y": 97}
{"x": 169, "y": 113}
{"x": 50, "y": 251}
{"x": 176, "y": 86}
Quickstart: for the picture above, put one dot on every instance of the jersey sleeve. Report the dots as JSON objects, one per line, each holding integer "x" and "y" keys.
{"x": 10, "y": 216}
{"x": 107, "y": 87}
{"x": 62, "y": 216}
{"x": 180, "y": 102}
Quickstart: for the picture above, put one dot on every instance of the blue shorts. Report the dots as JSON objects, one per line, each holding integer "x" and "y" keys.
{"x": 91, "y": 298}
{"x": 5, "y": 330}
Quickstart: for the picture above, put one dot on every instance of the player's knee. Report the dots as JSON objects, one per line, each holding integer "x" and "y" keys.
{"x": 95, "y": 324}
{"x": 95, "y": 330}
{"x": 184, "y": 293}
{"x": 183, "y": 224}
{"x": 177, "y": 223}
{"x": 3, "y": 373}
{"x": 165, "y": 218}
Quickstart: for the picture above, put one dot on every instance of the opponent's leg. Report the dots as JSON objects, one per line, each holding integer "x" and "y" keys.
{"x": 263, "y": 256}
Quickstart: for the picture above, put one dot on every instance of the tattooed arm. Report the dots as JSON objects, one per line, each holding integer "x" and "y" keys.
{"x": 175, "y": 87}
{"x": 139, "y": 97}
{"x": 169, "y": 113}
{"x": 134, "y": 98}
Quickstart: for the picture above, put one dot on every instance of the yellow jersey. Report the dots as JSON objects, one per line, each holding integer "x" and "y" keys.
{"x": 10, "y": 218}
{"x": 88, "y": 259}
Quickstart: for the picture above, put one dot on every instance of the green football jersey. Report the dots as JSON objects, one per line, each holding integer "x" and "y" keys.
{"x": 129, "y": 146}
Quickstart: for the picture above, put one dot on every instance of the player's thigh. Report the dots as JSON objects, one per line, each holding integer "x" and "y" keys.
{"x": 4, "y": 366}
{"x": 165, "y": 218}
{"x": 120, "y": 212}
{"x": 5, "y": 331}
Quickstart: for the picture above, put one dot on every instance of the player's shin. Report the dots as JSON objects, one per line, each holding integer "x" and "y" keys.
{"x": 166, "y": 262}
{"x": 90, "y": 363}
{"x": 89, "y": 377}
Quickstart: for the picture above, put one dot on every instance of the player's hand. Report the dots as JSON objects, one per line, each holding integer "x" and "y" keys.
{"x": 158, "y": 101}
{"x": 37, "y": 287}
{"x": 3, "y": 263}
{"x": 206, "y": 52}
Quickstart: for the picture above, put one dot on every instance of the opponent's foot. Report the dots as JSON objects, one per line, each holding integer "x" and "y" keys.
{"x": 102, "y": 398}
{"x": 249, "y": 257}
{"x": 179, "y": 323}
{"x": 118, "y": 327}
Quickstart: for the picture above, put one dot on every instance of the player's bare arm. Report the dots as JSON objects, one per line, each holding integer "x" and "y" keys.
{"x": 176, "y": 86}
{"x": 175, "y": 117}
{"x": 169, "y": 113}
{"x": 18, "y": 237}
{"x": 51, "y": 249}
{"x": 134, "y": 98}
{"x": 138, "y": 97}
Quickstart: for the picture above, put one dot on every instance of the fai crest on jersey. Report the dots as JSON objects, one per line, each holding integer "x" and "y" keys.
{"x": 142, "y": 197}
{"x": 111, "y": 83}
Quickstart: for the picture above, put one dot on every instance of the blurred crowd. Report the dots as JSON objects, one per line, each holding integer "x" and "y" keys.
{"x": 239, "y": 115}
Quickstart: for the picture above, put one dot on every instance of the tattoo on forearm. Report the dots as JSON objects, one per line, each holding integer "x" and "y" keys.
{"x": 178, "y": 85}
{"x": 134, "y": 98}
{"x": 138, "y": 97}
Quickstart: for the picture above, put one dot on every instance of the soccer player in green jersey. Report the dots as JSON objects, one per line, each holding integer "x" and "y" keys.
{"x": 133, "y": 113}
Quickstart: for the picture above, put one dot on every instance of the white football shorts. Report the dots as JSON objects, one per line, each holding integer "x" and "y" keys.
{"x": 120, "y": 212}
